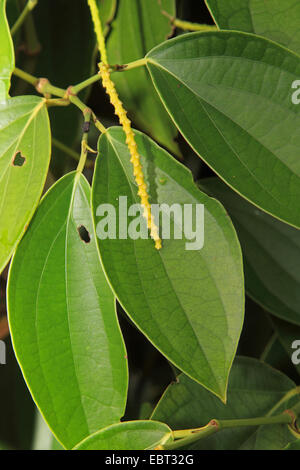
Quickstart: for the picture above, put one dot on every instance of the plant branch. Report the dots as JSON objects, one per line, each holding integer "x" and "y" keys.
{"x": 25, "y": 76}
{"x": 44, "y": 87}
{"x": 187, "y": 25}
{"x": 113, "y": 68}
{"x": 84, "y": 142}
{"x": 132, "y": 65}
{"x": 188, "y": 436}
{"x": 57, "y": 102}
{"x": 30, "y": 5}
{"x": 89, "y": 81}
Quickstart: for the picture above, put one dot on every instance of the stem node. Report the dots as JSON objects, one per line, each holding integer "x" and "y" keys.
{"x": 41, "y": 85}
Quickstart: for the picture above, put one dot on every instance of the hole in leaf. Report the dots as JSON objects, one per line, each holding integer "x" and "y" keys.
{"x": 18, "y": 159}
{"x": 84, "y": 234}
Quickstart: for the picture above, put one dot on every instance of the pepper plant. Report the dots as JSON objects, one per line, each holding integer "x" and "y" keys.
{"x": 175, "y": 114}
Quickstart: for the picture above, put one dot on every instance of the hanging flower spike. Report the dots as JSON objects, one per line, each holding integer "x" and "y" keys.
{"x": 125, "y": 123}
{"x": 132, "y": 146}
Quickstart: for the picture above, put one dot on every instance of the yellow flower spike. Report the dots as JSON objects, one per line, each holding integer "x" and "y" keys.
{"x": 98, "y": 29}
{"x": 126, "y": 124}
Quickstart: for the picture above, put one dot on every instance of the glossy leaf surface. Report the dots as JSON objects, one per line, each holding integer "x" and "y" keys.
{"x": 189, "y": 303}
{"x": 274, "y": 19}
{"x": 230, "y": 95}
{"x": 131, "y": 435}
{"x": 62, "y": 318}
{"x": 271, "y": 253}
{"x": 7, "y": 59}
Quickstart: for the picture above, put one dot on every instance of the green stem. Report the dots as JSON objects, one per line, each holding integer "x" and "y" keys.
{"x": 187, "y": 437}
{"x": 57, "y": 102}
{"x": 187, "y": 25}
{"x": 43, "y": 86}
{"x": 132, "y": 65}
{"x": 26, "y": 76}
{"x": 114, "y": 68}
{"x": 89, "y": 81}
{"x": 30, "y": 5}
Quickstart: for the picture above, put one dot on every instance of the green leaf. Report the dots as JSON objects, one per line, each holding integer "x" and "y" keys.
{"x": 24, "y": 161}
{"x": 230, "y": 95}
{"x": 274, "y": 19}
{"x": 62, "y": 319}
{"x": 271, "y": 252}
{"x": 189, "y": 303}
{"x": 255, "y": 389}
{"x": 137, "y": 28}
{"x": 131, "y": 435}
{"x": 7, "y": 58}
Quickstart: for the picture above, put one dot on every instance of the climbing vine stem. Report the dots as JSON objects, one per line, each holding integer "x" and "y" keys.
{"x": 30, "y": 5}
{"x": 87, "y": 113}
{"x": 187, "y": 25}
{"x": 109, "y": 86}
{"x": 189, "y": 436}
{"x": 113, "y": 68}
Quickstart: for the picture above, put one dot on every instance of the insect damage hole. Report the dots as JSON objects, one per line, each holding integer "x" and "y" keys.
{"x": 84, "y": 234}
{"x": 18, "y": 159}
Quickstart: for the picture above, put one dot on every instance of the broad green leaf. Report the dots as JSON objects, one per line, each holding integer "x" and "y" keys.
{"x": 189, "y": 303}
{"x": 271, "y": 252}
{"x": 62, "y": 319}
{"x": 7, "y": 59}
{"x": 138, "y": 27}
{"x": 230, "y": 95}
{"x": 131, "y": 435}
{"x": 275, "y": 19}
{"x": 289, "y": 336}
{"x": 255, "y": 390}
{"x": 24, "y": 161}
